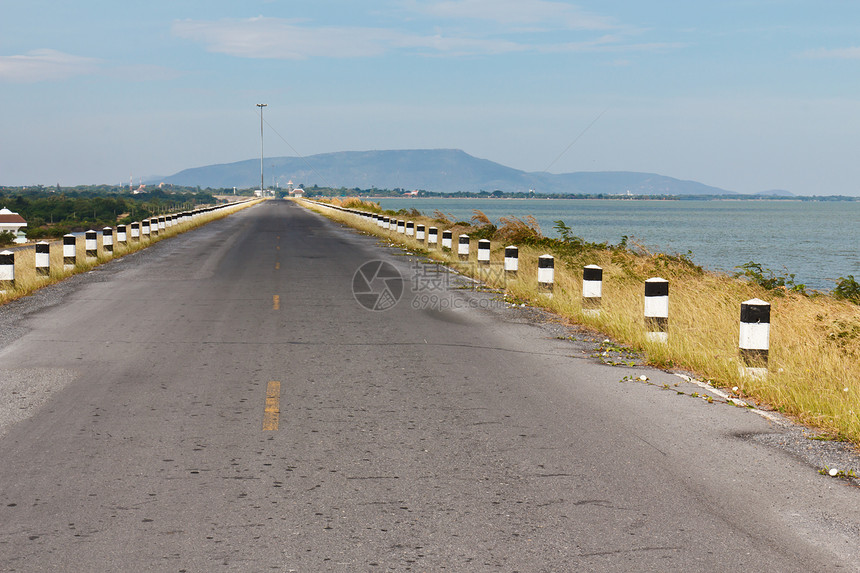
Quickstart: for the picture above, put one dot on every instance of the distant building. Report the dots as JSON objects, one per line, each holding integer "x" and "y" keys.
{"x": 13, "y": 222}
{"x": 412, "y": 193}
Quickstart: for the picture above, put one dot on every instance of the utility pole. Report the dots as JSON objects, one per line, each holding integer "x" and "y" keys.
{"x": 262, "y": 188}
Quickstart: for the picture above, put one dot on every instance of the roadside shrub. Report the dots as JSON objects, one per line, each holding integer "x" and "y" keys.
{"x": 767, "y": 279}
{"x": 847, "y": 289}
{"x": 6, "y": 238}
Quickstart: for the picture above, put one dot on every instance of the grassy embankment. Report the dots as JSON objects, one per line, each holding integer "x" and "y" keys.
{"x": 814, "y": 366}
{"x": 27, "y": 281}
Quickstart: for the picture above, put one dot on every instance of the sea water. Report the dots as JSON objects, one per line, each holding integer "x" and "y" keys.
{"x": 817, "y": 241}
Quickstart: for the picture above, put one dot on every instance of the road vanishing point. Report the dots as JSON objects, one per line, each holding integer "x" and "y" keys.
{"x": 221, "y": 401}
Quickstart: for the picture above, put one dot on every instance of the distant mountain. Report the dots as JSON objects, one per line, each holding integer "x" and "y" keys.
{"x": 440, "y": 170}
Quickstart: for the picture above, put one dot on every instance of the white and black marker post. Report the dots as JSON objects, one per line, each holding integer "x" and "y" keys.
{"x": 546, "y": 273}
{"x": 122, "y": 234}
{"x": 43, "y": 258}
{"x": 420, "y": 232}
{"x": 145, "y": 228}
{"x": 447, "y": 239}
{"x": 401, "y": 226}
{"x": 463, "y": 247}
{"x": 107, "y": 240}
{"x": 410, "y": 228}
{"x": 657, "y": 310}
{"x": 70, "y": 251}
{"x": 432, "y": 237}
{"x": 484, "y": 251}
{"x": 135, "y": 231}
{"x": 7, "y": 271}
{"x": 512, "y": 260}
{"x": 592, "y": 289}
{"x": 91, "y": 245}
{"x": 754, "y": 337}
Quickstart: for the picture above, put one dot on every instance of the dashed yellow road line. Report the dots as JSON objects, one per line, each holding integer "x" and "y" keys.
{"x": 272, "y": 412}
{"x": 277, "y": 266}
{"x": 276, "y": 302}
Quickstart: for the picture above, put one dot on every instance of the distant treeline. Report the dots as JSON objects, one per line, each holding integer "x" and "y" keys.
{"x": 55, "y": 211}
{"x": 316, "y": 191}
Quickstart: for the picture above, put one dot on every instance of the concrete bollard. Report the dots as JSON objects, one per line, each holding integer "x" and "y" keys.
{"x": 401, "y": 226}
{"x": 754, "y": 340}
{"x": 386, "y": 223}
{"x": 135, "y": 231}
{"x": 512, "y": 260}
{"x": 484, "y": 251}
{"x": 145, "y": 229}
{"x": 432, "y": 237}
{"x": 91, "y": 245}
{"x": 419, "y": 233}
{"x": 592, "y": 289}
{"x": 7, "y": 271}
{"x": 410, "y": 228}
{"x": 162, "y": 224}
{"x": 546, "y": 273}
{"x": 463, "y": 247}
{"x": 379, "y": 221}
{"x": 70, "y": 251}
{"x": 657, "y": 310}
{"x": 43, "y": 258}
{"x": 447, "y": 239}
{"x": 107, "y": 240}
{"x": 122, "y": 234}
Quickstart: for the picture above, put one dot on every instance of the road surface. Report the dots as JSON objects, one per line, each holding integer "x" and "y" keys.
{"x": 222, "y": 402}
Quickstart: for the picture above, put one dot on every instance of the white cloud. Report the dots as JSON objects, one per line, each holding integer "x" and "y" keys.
{"x": 282, "y": 39}
{"x": 516, "y": 12}
{"x": 285, "y": 39}
{"x": 852, "y": 53}
{"x": 278, "y": 38}
{"x": 45, "y": 65}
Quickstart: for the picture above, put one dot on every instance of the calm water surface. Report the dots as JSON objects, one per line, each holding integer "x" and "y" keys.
{"x": 817, "y": 241}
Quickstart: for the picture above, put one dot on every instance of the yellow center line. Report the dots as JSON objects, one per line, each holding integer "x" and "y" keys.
{"x": 273, "y": 406}
{"x": 277, "y": 266}
{"x": 276, "y": 302}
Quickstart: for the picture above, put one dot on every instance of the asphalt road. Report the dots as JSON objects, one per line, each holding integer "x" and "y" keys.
{"x": 222, "y": 402}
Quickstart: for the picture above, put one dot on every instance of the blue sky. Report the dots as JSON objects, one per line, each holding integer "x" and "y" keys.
{"x": 744, "y": 95}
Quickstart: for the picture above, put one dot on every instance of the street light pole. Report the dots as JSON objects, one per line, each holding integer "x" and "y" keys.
{"x": 261, "y": 106}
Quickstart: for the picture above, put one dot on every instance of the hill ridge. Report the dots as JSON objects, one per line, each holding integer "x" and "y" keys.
{"x": 438, "y": 170}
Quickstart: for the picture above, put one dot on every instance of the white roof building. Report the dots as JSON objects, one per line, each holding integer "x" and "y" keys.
{"x": 13, "y": 222}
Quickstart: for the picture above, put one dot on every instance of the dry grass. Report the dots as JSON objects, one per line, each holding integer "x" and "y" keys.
{"x": 814, "y": 366}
